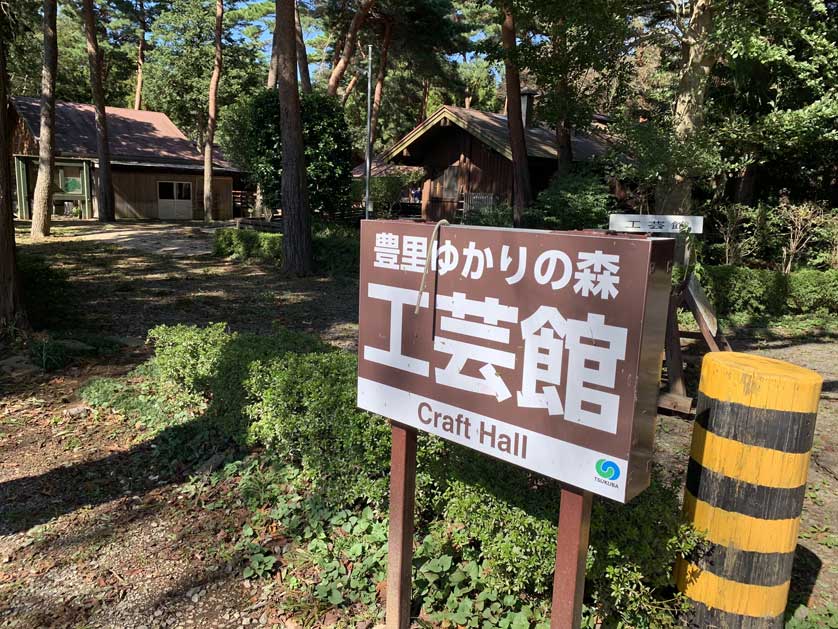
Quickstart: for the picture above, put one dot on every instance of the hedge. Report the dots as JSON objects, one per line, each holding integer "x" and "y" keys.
{"x": 247, "y": 244}
{"x": 336, "y": 248}
{"x": 759, "y": 292}
{"x": 488, "y": 529}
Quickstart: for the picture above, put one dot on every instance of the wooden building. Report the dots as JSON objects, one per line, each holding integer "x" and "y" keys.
{"x": 157, "y": 171}
{"x": 467, "y": 158}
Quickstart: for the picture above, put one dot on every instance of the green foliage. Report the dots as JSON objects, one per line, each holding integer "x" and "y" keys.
{"x": 579, "y": 57}
{"x": 487, "y": 528}
{"x": 499, "y": 215}
{"x": 578, "y": 200}
{"x": 214, "y": 363}
{"x": 811, "y": 290}
{"x": 47, "y": 354}
{"x": 385, "y": 191}
{"x": 328, "y": 155}
{"x": 826, "y": 618}
{"x": 250, "y": 136}
{"x": 336, "y": 248}
{"x": 247, "y": 244}
{"x": 180, "y": 62}
{"x": 741, "y": 290}
{"x": 143, "y": 400}
{"x": 305, "y": 411}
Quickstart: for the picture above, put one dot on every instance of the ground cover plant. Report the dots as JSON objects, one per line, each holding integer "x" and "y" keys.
{"x": 485, "y": 530}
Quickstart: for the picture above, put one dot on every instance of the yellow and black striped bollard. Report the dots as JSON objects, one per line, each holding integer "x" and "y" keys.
{"x": 746, "y": 479}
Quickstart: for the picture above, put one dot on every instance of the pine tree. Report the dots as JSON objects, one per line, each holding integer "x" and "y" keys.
{"x": 42, "y": 202}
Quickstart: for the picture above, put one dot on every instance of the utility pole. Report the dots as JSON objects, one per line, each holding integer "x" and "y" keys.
{"x": 368, "y": 165}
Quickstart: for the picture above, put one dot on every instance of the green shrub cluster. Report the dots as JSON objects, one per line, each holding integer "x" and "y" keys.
{"x": 214, "y": 363}
{"x": 247, "y": 244}
{"x": 336, "y": 248}
{"x": 385, "y": 191}
{"x": 487, "y": 528}
{"x": 577, "y": 200}
{"x": 762, "y": 292}
{"x": 251, "y": 138}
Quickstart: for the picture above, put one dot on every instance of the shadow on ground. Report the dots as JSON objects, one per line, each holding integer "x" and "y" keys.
{"x": 125, "y": 292}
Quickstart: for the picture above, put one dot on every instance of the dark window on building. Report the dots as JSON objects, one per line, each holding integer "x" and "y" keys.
{"x": 165, "y": 190}
{"x": 184, "y": 191}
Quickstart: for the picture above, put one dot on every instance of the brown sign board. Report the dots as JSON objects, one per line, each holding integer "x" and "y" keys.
{"x": 539, "y": 348}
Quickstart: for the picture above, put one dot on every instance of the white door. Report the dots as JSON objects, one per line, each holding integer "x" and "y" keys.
{"x": 174, "y": 199}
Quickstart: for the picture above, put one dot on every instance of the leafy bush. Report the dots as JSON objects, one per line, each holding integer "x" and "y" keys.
{"x": 215, "y": 364}
{"x": 305, "y": 411}
{"x": 336, "y": 248}
{"x": 488, "y": 529}
{"x": 385, "y": 191}
{"x": 577, "y": 200}
{"x": 250, "y": 137}
{"x": 247, "y": 244}
{"x": 760, "y": 292}
{"x": 811, "y": 290}
{"x": 499, "y": 215}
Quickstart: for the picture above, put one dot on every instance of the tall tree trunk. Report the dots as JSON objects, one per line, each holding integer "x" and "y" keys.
{"x": 274, "y": 56}
{"x": 104, "y": 190}
{"x": 564, "y": 148}
{"x": 302, "y": 53}
{"x": 699, "y": 58}
{"x": 296, "y": 241}
{"x": 138, "y": 90}
{"x": 379, "y": 80}
{"x": 350, "y": 87}
{"x": 348, "y": 47}
{"x": 11, "y": 312}
{"x": 423, "y": 105}
{"x": 212, "y": 117}
{"x": 42, "y": 203}
{"x": 521, "y": 192}
{"x": 564, "y": 145}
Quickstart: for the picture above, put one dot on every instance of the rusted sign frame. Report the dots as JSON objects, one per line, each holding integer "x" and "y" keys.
{"x": 571, "y": 544}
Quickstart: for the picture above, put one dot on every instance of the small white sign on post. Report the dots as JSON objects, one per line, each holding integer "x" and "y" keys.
{"x": 656, "y": 223}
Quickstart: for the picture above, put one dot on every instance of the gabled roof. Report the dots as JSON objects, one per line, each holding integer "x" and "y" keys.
{"x": 137, "y": 136}
{"x": 492, "y": 130}
{"x": 380, "y": 168}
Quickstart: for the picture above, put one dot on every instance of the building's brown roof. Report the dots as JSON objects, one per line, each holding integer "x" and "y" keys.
{"x": 380, "y": 168}
{"x": 138, "y": 136}
{"x": 493, "y": 131}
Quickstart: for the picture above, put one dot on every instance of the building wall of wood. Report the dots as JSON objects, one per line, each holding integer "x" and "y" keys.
{"x": 135, "y": 193}
{"x": 474, "y": 167}
{"x": 22, "y": 141}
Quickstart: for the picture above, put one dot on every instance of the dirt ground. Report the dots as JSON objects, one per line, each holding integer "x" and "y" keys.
{"x": 95, "y": 533}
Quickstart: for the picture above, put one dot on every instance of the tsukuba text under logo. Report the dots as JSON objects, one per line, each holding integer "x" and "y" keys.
{"x": 607, "y": 472}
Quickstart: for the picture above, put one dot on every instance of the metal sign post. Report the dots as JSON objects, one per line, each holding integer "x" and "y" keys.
{"x": 368, "y": 159}
{"x": 541, "y": 349}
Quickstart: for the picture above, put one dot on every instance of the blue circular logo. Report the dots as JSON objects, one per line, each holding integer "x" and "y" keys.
{"x": 607, "y": 469}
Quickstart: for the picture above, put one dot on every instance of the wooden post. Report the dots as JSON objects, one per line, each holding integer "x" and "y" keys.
{"x": 87, "y": 211}
{"x": 746, "y": 480}
{"x": 571, "y": 555}
{"x": 400, "y": 540}
{"x": 22, "y": 180}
